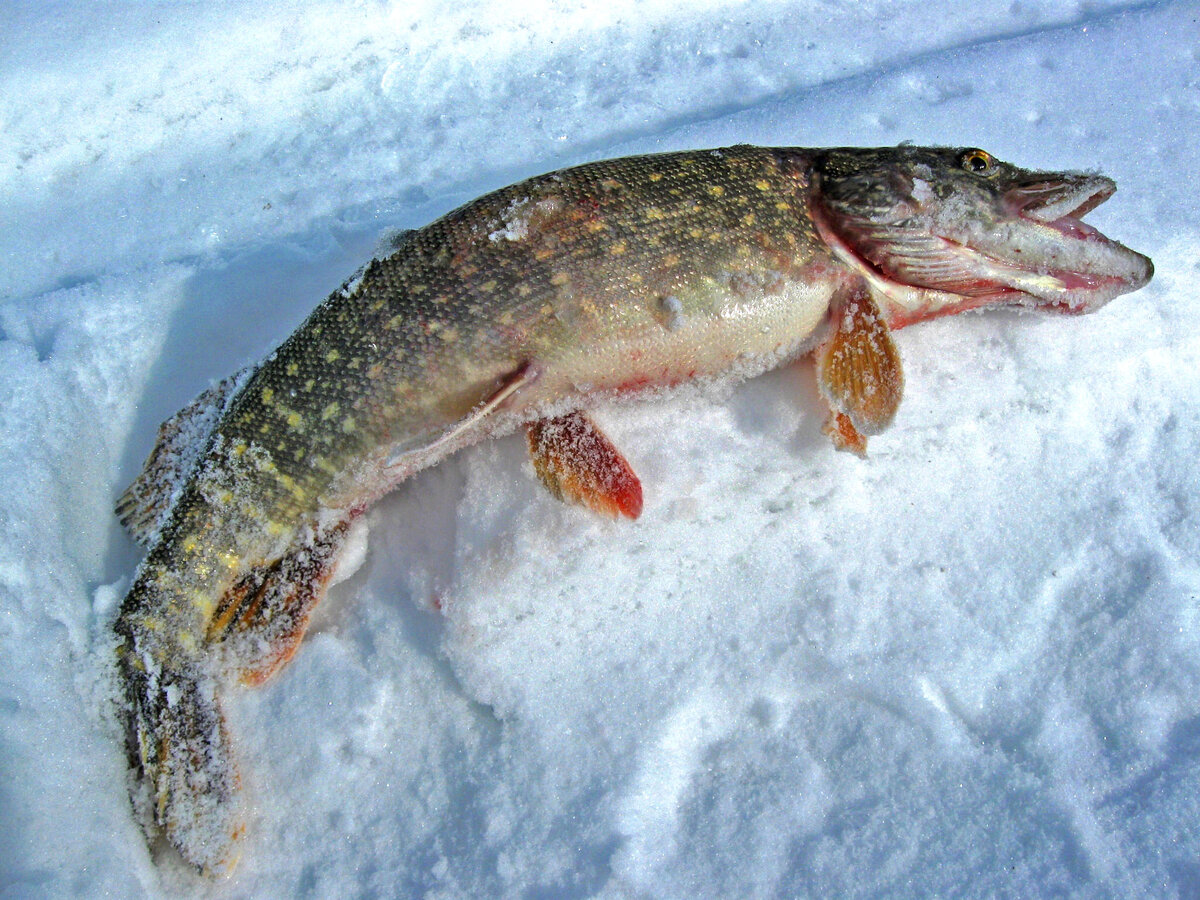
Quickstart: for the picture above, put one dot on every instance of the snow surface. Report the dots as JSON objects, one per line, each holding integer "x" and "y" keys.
{"x": 967, "y": 666}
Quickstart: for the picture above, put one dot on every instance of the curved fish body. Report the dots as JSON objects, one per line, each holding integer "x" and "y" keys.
{"x": 520, "y": 309}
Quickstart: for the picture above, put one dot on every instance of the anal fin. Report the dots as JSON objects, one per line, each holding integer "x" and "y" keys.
{"x": 859, "y": 371}
{"x": 262, "y": 619}
{"x": 578, "y": 463}
{"x": 180, "y": 441}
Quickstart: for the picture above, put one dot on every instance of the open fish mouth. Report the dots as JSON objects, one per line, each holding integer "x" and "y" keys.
{"x": 1055, "y": 258}
{"x": 1035, "y": 250}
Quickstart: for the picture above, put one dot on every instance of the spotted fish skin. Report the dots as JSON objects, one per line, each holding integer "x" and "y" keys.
{"x": 526, "y": 304}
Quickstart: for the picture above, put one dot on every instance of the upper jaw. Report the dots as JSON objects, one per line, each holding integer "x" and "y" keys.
{"x": 1059, "y": 197}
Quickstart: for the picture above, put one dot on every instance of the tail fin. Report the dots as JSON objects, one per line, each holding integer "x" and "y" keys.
{"x": 187, "y": 784}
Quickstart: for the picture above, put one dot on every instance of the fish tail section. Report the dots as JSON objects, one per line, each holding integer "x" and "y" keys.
{"x": 185, "y": 781}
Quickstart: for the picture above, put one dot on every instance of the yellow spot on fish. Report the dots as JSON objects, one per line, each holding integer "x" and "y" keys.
{"x": 635, "y": 278}
{"x": 716, "y": 190}
{"x": 204, "y": 603}
{"x": 696, "y": 232}
{"x": 617, "y": 248}
{"x": 558, "y": 279}
{"x": 298, "y": 454}
{"x": 656, "y": 176}
{"x": 653, "y": 214}
{"x": 762, "y": 184}
{"x": 595, "y": 226}
{"x": 348, "y": 424}
{"x": 292, "y": 368}
{"x": 543, "y": 253}
{"x": 782, "y": 206}
{"x": 189, "y": 545}
{"x": 610, "y": 184}
{"x": 329, "y": 411}
{"x": 294, "y": 419}
{"x": 268, "y": 396}
{"x": 671, "y": 260}
{"x": 748, "y": 219}
{"x": 332, "y": 356}
{"x": 488, "y": 286}
{"x": 308, "y": 385}
{"x": 450, "y": 335}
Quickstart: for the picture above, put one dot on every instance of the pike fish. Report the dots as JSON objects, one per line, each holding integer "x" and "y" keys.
{"x": 520, "y": 310}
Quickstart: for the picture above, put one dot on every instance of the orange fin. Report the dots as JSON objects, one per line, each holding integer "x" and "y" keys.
{"x": 181, "y": 439}
{"x": 859, "y": 372}
{"x": 844, "y": 435}
{"x": 577, "y": 463}
{"x": 261, "y": 620}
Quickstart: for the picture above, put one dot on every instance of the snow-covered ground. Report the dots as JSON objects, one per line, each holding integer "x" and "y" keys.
{"x": 967, "y": 666}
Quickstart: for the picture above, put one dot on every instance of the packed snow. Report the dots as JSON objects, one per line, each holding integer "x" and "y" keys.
{"x": 968, "y": 665}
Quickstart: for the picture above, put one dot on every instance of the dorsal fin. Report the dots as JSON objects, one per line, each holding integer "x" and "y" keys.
{"x": 181, "y": 439}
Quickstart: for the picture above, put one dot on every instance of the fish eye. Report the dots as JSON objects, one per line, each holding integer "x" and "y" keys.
{"x": 978, "y": 161}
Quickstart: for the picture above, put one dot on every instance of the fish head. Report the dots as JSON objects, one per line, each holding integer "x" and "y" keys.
{"x": 942, "y": 230}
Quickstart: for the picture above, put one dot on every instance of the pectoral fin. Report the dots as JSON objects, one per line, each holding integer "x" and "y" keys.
{"x": 261, "y": 620}
{"x": 858, "y": 370}
{"x": 577, "y": 463}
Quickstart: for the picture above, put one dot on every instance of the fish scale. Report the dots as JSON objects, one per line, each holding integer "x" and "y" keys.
{"x": 522, "y": 308}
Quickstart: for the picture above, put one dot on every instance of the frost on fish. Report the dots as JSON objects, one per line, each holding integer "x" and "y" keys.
{"x": 145, "y": 503}
{"x": 520, "y": 310}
